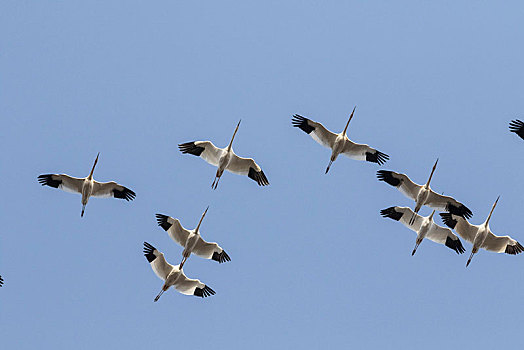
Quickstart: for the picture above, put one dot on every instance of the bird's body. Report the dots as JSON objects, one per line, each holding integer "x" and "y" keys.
{"x": 225, "y": 159}
{"x": 517, "y": 126}
{"x": 338, "y": 143}
{"x": 173, "y": 276}
{"x": 191, "y": 240}
{"x": 87, "y": 186}
{"x": 481, "y": 236}
{"x": 425, "y": 227}
{"x": 423, "y": 195}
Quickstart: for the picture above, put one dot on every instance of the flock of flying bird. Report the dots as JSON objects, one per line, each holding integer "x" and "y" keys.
{"x": 455, "y": 214}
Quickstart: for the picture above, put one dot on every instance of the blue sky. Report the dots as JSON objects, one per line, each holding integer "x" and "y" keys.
{"x": 313, "y": 262}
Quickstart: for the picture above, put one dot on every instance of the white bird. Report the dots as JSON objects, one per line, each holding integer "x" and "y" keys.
{"x": 173, "y": 275}
{"x": 191, "y": 240}
{"x": 517, "y": 126}
{"x": 423, "y": 195}
{"x": 339, "y": 143}
{"x": 481, "y": 236}
{"x": 425, "y": 227}
{"x": 87, "y": 186}
{"x": 225, "y": 159}
{"x": 1, "y": 281}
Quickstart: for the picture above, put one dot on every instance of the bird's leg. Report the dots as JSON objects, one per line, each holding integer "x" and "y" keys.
{"x": 415, "y": 249}
{"x": 329, "y": 166}
{"x": 412, "y": 220}
{"x": 470, "y": 257}
{"x": 216, "y": 184}
{"x": 183, "y": 262}
{"x": 83, "y": 209}
{"x": 159, "y": 294}
{"x": 213, "y": 184}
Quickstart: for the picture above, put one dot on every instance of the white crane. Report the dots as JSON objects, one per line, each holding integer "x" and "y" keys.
{"x": 87, "y": 186}
{"x": 481, "y": 236}
{"x": 425, "y": 227}
{"x": 191, "y": 240}
{"x": 339, "y": 143}
{"x": 423, "y": 195}
{"x": 173, "y": 275}
{"x": 517, "y": 126}
{"x": 225, "y": 159}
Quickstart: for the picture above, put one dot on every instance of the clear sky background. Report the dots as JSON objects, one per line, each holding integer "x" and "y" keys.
{"x": 313, "y": 265}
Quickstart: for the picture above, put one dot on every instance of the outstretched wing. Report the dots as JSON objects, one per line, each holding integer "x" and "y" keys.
{"x": 450, "y": 204}
{"x": 403, "y": 214}
{"x": 62, "y": 181}
{"x": 174, "y": 229}
{"x": 364, "y": 152}
{"x": 400, "y": 181}
{"x": 159, "y": 264}
{"x": 211, "y": 250}
{"x": 316, "y": 130}
{"x": 444, "y": 236}
{"x": 1, "y": 281}
{"x": 204, "y": 149}
{"x": 502, "y": 244}
{"x": 112, "y": 189}
{"x": 247, "y": 166}
{"x": 517, "y": 126}
{"x": 465, "y": 230}
{"x": 190, "y": 286}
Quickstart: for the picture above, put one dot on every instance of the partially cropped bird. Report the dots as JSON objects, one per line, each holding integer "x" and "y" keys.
{"x": 225, "y": 159}
{"x": 481, "y": 236}
{"x": 173, "y": 275}
{"x": 87, "y": 186}
{"x": 517, "y": 126}
{"x": 339, "y": 143}
{"x": 423, "y": 195}
{"x": 191, "y": 240}
{"x": 425, "y": 227}
{"x": 1, "y": 281}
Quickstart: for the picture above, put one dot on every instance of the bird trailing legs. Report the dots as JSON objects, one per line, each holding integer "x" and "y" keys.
{"x": 426, "y": 188}
{"x": 90, "y": 177}
{"x": 475, "y": 249}
{"x": 184, "y": 253}
{"x": 221, "y": 171}
{"x": 334, "y": 155}
{"x": 161, "y": 292}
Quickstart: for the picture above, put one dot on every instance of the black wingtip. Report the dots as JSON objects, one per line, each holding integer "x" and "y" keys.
{"x": 377, "y": 157}
{"x": 1, "y": 281}
{"x": 221, "y": 257}
{"x": 448, "y": 220}
{"x": 514, "y": 249}
{"x": 126, "y": 194}
{"x": 455, "y": 244}
{"x": 204, "y": 292}
{"x": 299, "y": 121}
{"x": 461, "y": 210}
{"x": 258, "y": 176}
{"x": 191, "y": 148}
{"x": 517, "y": 126}
{"x": 149, "y": 252}
{"x": 387, "y": 177}
{"x": 47, "y": 180}
{"x": 391, "y": 213}
{"x": 161, "y": 220}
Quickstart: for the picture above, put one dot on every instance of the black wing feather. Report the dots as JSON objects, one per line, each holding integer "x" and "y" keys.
{"x": 517, "y": 126}
{"x": 299, "y": 121}
{"x": 204, "y": 292}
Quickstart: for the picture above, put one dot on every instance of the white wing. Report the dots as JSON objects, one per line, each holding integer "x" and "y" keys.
{"x": 62, "y": 181}
{"x": 159, "y": 264}
{"x": 445, "y": 236}
{"x": 174, "y": 229}
{"x": 190, "y": 286}
{"x": 403, "y": 214}
{"x": 400, "y": 181}
{"x": 247, "y": 166}
{"x": 211, "y": 250}
{"x": 316, "y": 130}
{"x": 502, "y": 244}
{"x": 465, "y": 230}
{"x": 363, "y": 152}
{"x": 204, "y": 149}
{"x": 446, "y": 203}
{"x": 112, "y": 189}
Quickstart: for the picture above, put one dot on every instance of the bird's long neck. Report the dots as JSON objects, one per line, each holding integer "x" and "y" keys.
{"x": 491, "y": 212}
{"x": 431, "y": 175}
{"x": 93, "y": 170}
{"x": 200, "y": 222}
{"x": 347, "y": 124}
{"x": 231, "y": 142}
{"x": 431, "y": 216}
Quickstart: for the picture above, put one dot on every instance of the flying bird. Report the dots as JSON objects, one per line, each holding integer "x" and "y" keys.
{"x": 225, "y": 159}
{"x": 425, "y": 227}
{"x": 191, "y": 240}
{"x": 517, "y": 126}
{"x": 423, "y": 195}
{"x": 87, "y": 186}
{"x": 173, "y": 275}
{"x": 339, "y": 143}
{"x": 481, "y": 236}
